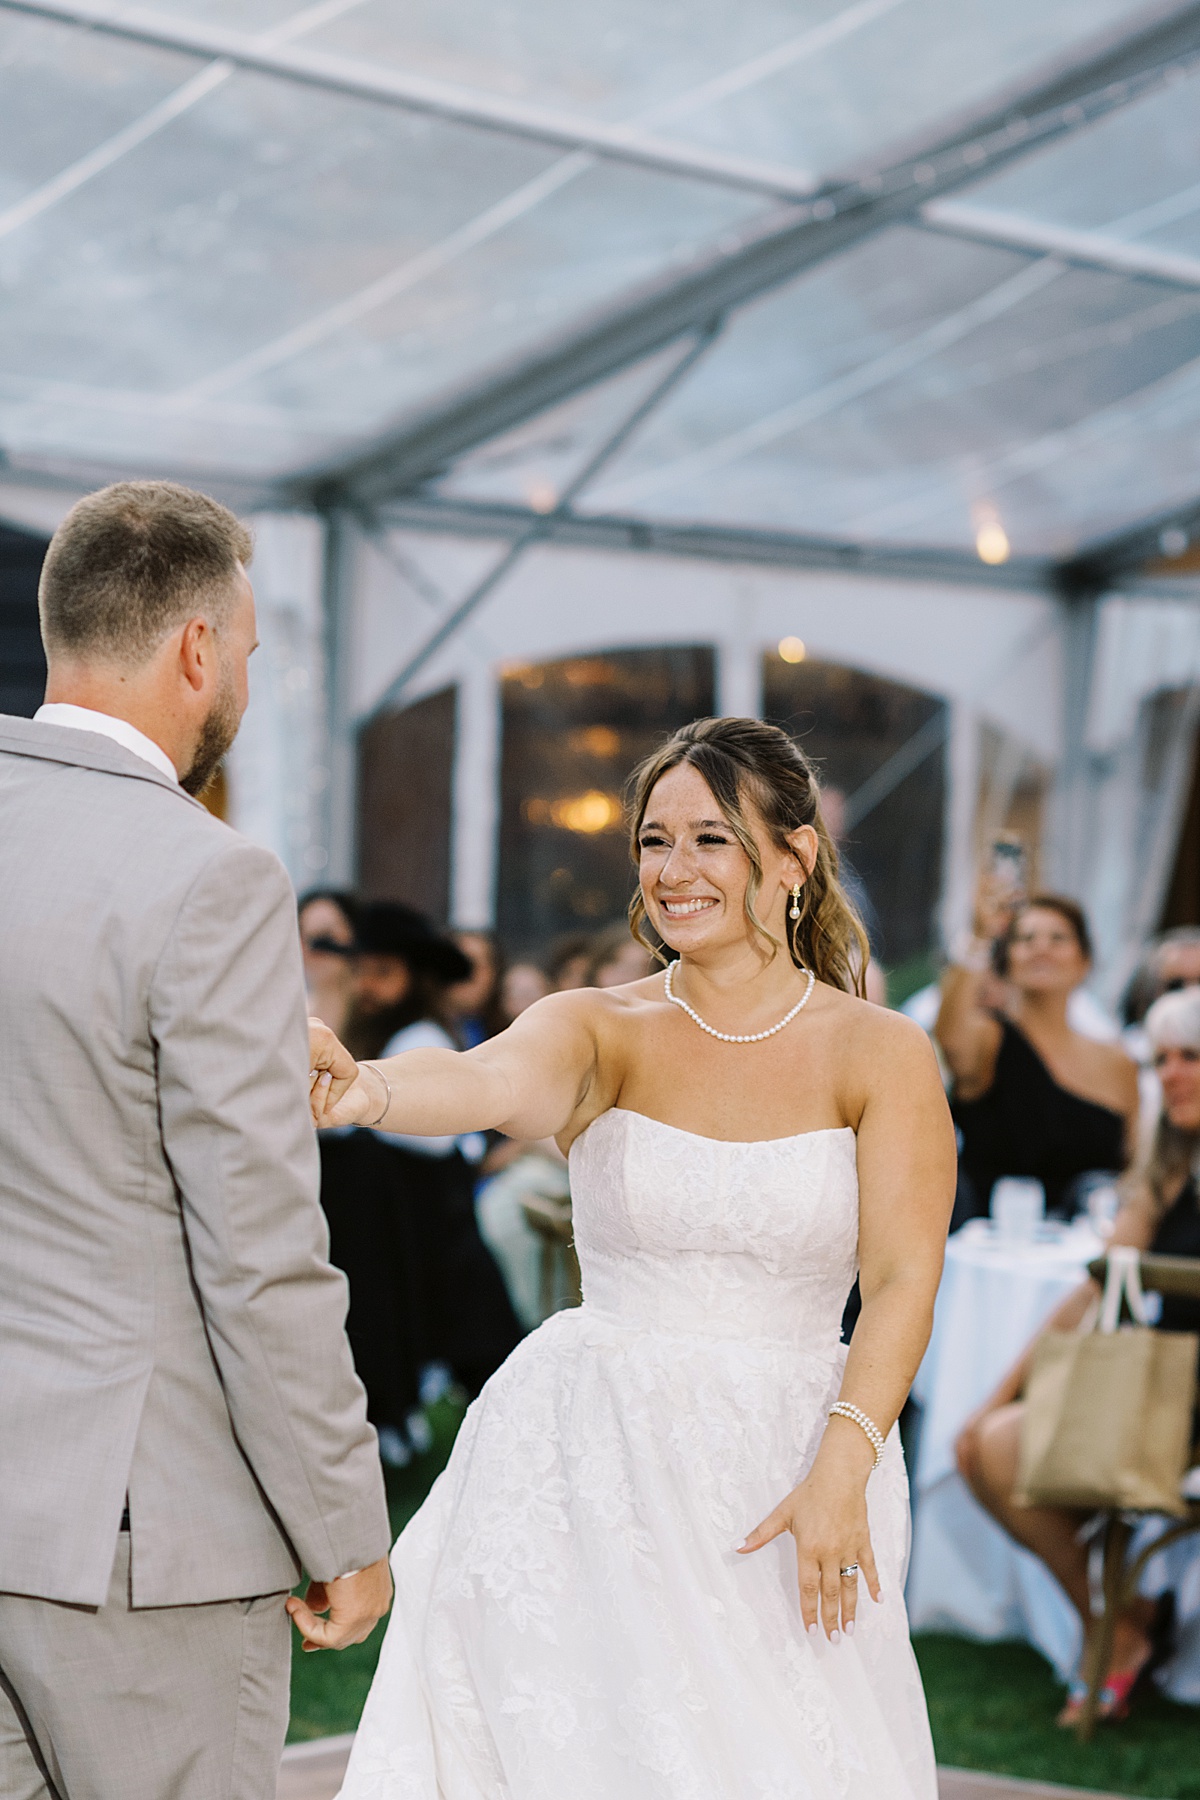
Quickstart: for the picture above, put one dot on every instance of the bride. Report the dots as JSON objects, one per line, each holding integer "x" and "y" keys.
{"x": 666, "y": 1559}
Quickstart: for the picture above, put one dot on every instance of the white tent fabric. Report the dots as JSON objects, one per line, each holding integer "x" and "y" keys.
{"x": 411, "y": 266}
{"x": 242, "y": 273}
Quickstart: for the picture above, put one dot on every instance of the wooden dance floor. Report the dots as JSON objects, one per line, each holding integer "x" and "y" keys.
{"x": 314, "y": 1772}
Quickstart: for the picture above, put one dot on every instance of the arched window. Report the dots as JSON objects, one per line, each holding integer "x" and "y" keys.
{"x": 405, "y": 771}
{"x": 22, "y": 664}
{"x": 852, "y": 724}
{"x": 572, "y": 732}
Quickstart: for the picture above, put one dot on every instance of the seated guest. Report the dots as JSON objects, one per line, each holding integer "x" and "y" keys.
{"x": 1171, "y": 961}
{"x": 1160, "y": 1214}
{"x": 567, "y": 964}
{"x": 519, "y": 1171}
{"x": 617, "y": 957}
{"x": 424, "y": 1290}
{"x": 1031, "y": 1095}
{"x": 326, "y": 941}
{"x": 523, "y": 983}
{"x": 471, "y": 1008}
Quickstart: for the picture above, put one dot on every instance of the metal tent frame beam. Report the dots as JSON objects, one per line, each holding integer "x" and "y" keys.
{"x": 1085, "y": 249}
{"x": 715, "y": 543}
{"x": 418, "y": 93}
{"x": 1102, "y": 565}
{"x": 768, "y": 252}
{"x": 537, "y": 525}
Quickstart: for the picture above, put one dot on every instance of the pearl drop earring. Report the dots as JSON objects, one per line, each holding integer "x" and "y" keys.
{"x": 794, "y": 908}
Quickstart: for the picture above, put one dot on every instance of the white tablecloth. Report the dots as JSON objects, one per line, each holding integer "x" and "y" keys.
{"x": 967, "y": 1575}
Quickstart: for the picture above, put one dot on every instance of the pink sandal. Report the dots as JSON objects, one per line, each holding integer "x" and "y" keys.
{"x": 1112, "y": 1703}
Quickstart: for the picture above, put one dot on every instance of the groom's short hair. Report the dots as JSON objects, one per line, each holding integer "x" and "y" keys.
{"x": 131, "y": 562}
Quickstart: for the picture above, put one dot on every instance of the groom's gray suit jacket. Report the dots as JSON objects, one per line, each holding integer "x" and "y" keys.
{"x": 170, "y": 1328}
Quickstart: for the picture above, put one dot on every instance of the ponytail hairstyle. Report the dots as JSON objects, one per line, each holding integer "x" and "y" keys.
{"x": 752, "y": 768}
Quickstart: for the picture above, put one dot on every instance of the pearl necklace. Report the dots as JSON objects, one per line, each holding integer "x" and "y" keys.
{"x": 734, "y": 1037}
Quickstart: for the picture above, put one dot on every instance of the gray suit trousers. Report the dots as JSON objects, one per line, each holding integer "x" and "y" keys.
{"x": 158, "y": 1703}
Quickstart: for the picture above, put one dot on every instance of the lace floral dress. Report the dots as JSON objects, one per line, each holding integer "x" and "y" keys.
{"x": 572, "y": 1621}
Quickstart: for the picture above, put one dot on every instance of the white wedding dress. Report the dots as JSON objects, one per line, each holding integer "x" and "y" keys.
{"x": 572, "y": 1621}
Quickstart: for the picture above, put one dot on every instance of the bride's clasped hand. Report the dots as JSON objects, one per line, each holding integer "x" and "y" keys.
{"x": 578, "y": 1606}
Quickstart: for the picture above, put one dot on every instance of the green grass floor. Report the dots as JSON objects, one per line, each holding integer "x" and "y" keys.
{"x": 328, "y": 1686}
{"x": 992, "y": 1706}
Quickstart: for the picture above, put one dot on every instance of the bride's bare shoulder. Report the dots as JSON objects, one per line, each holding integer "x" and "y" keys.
{"x": 871, "y": 1030}
{"x": 596, "y": 1007}
{"x": 619, "y": 1006}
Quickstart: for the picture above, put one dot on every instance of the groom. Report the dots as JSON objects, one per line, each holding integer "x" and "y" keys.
{"x": 180, "y": 1424}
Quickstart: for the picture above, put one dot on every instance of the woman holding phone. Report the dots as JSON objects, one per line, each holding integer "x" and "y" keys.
{"x": 1032, "y": 1095}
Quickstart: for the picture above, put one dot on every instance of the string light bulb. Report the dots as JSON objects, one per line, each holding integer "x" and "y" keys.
{"x": 791, "y": 649}
{"x": 991, "y": 542}
{"x": 542, "y": 496}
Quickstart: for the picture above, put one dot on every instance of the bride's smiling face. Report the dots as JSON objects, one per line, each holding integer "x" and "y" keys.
{"x": 693, "y": 871}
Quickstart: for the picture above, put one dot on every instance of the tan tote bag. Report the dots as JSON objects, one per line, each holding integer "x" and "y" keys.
{"x": 1108, "y": 1409}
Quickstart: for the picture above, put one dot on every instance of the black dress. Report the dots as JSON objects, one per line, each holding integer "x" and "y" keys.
{"x": 1027, "y": 1124}
{"x": 424, "y": 1287}
{"x": 1178, "y": 1234}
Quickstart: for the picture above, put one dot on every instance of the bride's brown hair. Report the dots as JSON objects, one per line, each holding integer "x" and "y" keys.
{"x": 749, "y": 765}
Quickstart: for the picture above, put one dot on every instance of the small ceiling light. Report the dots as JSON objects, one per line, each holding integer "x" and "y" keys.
{"x": 542, "y": 496}
{"x": 991, "y": 542}
{"x": 1173, "y": 541}
{"x": 792, "y": 650}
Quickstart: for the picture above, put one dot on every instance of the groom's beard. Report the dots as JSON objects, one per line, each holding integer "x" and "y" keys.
{"x": 216, "y": 735}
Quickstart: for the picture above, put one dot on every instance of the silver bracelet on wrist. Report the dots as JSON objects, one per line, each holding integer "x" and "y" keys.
{"x": 388, "y": 1089}
{"x": 844, "y": 1409}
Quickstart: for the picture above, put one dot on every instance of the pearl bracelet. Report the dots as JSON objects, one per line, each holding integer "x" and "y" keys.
{"x": 844, "y": 1409}
{"x": 387, "y": 1088}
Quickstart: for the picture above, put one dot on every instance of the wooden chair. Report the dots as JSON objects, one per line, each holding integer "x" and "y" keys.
{"x": 550, "y": 1217}
{"x": 1121, "y": 1573}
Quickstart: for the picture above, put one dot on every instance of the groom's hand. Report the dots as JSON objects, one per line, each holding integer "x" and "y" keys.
{"x": 332, "y": 1071}
{"x": 352, "y": 1607}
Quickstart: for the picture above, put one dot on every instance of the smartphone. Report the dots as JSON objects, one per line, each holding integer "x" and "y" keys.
{"x": 1007, "y": 862}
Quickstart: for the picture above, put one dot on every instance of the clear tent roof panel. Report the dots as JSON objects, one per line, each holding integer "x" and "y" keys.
{"x": 532, "y": 465}
{"x": 296, "y": 266}
{"x": 811, "y": 83}
{"x": 65, "y": 91}
{"x": 258, "y": 276}
{"x": 898, "y": 392}
{"x": 1135, "y": 175}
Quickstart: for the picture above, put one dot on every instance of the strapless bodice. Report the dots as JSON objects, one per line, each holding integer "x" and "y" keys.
{"x": 678, "y": 1232}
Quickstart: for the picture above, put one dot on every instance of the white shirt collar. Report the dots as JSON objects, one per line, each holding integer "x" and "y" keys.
{"x": 82, "y": 718}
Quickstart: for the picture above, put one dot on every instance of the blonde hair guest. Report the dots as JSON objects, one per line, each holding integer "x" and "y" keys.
{"x": 1159, "y": 1213}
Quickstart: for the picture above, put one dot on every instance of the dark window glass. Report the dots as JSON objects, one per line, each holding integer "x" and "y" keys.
{"x": 405, "y": 770}
{"x": 851, "y": 723}
{"x": 573, "y": 731}
{"x": 22, "y": 664}
{"x": 1182, "y": 905}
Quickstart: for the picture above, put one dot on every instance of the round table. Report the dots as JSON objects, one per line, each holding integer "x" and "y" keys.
{"x": 967, "y": 1576}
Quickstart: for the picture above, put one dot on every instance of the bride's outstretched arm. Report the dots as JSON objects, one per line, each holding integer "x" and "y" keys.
{"x": 526, "y": 1082}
